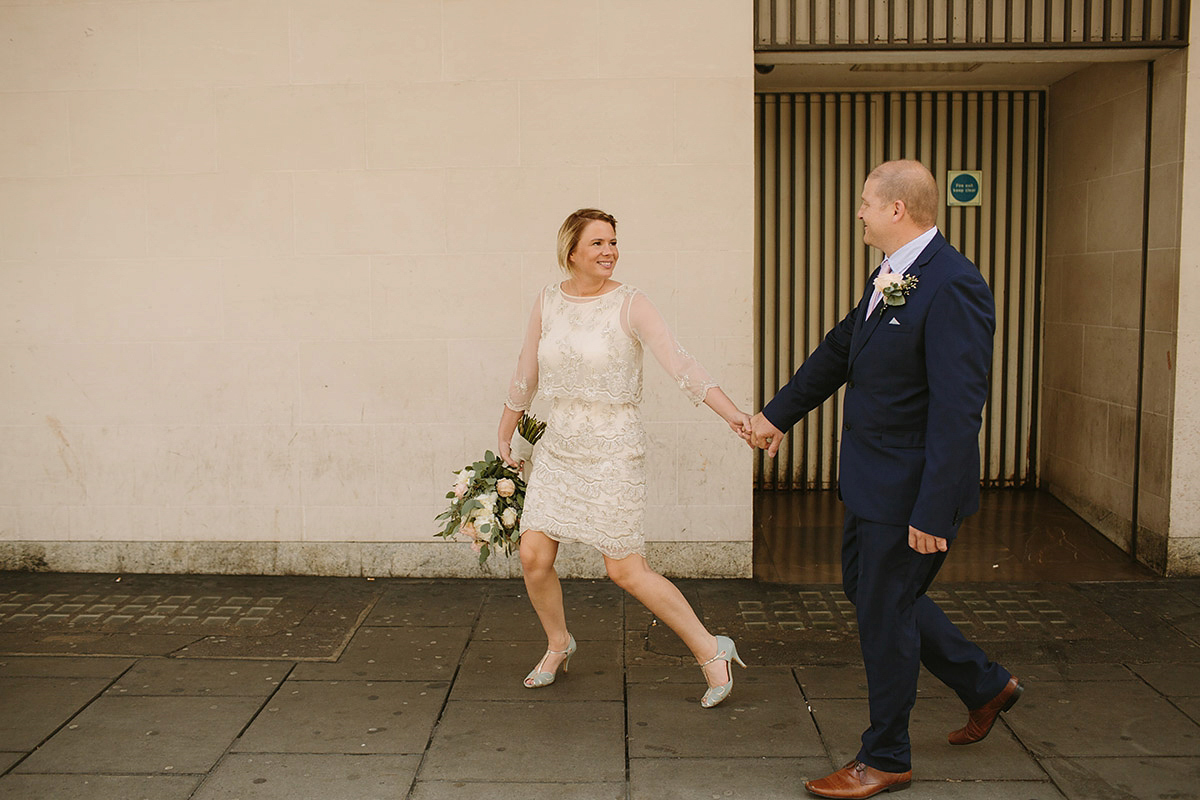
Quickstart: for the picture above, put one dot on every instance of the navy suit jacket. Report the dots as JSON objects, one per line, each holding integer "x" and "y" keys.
{"x": 916, "y": 380}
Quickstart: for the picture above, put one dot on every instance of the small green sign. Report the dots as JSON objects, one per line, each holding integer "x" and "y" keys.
{"x": 964, "y": 187}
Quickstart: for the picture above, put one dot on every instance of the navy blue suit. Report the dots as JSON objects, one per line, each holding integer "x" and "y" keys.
{"x": 916, "y": 379}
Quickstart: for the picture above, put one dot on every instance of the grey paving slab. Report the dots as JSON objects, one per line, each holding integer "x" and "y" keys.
{"x": 201, "y": 678}
{"x": 1141, "y": 608}
{"x": 1112, "y": 719}
{"x": 640, "y": 651}
{"x": 346, "y": 717}
{"x": 1173, "y": 680}
{"x": 494, "y": 670}
{"x": 665, "y": 673}
{"x": 1189, "y": 706}
{"x": 35, "y": 643}
{"x": 594, "y": 611}
{"x": 1000, "y": 757}
{"x": 8, "y": 759}
{"x": 973, "y": 790}
{"x": 201, "y": 605}
{"x": 851, "y": 681}
{"x": 1034, "y": 673}
{"x": 35, "y": 707}
{"x": 98, "y": 787}
{"x": 764, "y": 716}
{"x": 724, "y": 778}
{"x": 1189, "y": 627}
{"x": 319, "y": 634}
{"x": 463, "y": 790}
{"x": 309, "y": 777}
{"x": 394, "y": 653}
{"x": 428, "y": 603}
{"x": 126, "y": 735}
{"x": 1126, "y": 778}
{"x": 528, "y": 742}
{"x": 319, "y": 644}
{"x": 62, "y": 667}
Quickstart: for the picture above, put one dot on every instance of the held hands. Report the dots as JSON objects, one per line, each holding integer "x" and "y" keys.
{"x": 764, "y": 435}
{"x": 739, "y": 423}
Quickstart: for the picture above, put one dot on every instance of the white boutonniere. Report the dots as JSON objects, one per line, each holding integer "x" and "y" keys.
{"x": 895, "y": 288}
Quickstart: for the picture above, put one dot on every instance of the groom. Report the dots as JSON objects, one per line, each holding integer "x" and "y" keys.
{"x": 914, "y": 360}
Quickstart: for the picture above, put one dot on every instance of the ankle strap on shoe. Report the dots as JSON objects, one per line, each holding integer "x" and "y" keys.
{"x": 720, "y": 656}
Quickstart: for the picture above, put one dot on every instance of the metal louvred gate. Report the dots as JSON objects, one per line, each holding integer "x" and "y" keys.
{"x": 814, "y": 152}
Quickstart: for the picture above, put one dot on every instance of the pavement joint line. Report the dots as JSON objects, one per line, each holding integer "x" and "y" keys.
{"x": 358, "y": 623}
{"x": 437, "y": 722}
{"x": 112, "y": 682}
{"x": 228, "y": 748}
{"x": 813, "y": 716}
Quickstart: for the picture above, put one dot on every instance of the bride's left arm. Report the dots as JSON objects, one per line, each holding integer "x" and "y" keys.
{"x": 648, "y": 326}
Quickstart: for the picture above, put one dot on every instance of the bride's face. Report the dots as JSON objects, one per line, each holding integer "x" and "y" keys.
{"x": 595, "y": 256}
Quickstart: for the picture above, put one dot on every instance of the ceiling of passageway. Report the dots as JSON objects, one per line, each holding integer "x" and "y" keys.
{"x": 933, "y": 70}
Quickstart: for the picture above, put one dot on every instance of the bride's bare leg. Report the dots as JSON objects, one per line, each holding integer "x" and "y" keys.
{"x": 666, "y": 602}
{"x": 538, "y": 552}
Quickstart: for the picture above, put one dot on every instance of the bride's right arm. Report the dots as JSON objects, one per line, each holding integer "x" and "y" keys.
{"x": 523, "y": 385}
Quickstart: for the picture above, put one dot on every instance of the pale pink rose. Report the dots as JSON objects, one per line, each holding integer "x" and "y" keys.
{"x": 884, "y": 281}
{"x": 460, "y": 489}
{"x": 509, "y": 517}
{"x": 469, "y": 529}
{"x": 505, "y": 487}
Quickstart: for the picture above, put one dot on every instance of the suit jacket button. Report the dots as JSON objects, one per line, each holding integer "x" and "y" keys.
{"x": 849, "y": 384}
{"x": 846, "y": 426}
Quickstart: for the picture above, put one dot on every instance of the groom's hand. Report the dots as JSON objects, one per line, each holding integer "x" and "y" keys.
{"x": 925, "y": 543}
{"x": 765, "y": 435}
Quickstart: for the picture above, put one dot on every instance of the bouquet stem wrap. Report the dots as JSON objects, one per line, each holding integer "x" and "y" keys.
{"x": 522, "y": 450}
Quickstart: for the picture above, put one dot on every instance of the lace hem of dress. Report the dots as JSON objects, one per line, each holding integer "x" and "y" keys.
{"x": 615, "y": 549}
{"x": 591, "y": 395}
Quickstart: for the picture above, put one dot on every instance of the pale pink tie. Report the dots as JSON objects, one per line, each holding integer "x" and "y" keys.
{"x": 884, "y": 269}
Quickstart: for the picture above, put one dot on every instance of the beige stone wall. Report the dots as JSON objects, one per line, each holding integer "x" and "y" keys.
{"x": 1183, "y": 552}
{"x": 265, "y": 264}
{"x": 1157, "y": 529}
{"x": 1093, "y": 295}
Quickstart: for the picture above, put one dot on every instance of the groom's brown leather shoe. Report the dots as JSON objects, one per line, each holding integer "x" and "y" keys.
{"x": 857, "y": 780}
{"x": 980, "y": 720}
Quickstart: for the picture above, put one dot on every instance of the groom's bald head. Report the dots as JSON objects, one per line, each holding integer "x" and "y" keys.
{"x": 911, "y": 183}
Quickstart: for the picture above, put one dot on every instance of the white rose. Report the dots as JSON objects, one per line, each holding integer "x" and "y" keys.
{"x": 488, "y": 501}
{"x": 509, "y": 517}
{"x": 505, "y": 487}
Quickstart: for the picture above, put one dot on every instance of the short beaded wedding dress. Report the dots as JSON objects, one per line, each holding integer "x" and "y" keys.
{"x": 584, "y": 355}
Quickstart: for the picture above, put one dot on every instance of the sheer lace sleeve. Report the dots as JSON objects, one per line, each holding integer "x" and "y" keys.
{"x": 647, "y": 325}
{"x": 524, "y": 382}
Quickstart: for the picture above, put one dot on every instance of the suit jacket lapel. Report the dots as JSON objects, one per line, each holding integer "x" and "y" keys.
{"x": 865, "y": 327}
{"x": 861, "y": 324}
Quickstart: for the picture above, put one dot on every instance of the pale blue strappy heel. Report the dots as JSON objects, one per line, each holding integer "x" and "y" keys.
{"x": 727, "y": 652}
{"x": 537, "y": 678}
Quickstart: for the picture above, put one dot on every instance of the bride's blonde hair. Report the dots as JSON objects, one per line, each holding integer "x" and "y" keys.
{"x": 572, "y": 229}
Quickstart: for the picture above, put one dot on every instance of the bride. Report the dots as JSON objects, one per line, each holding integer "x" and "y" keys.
{"x": 583, "y": 353}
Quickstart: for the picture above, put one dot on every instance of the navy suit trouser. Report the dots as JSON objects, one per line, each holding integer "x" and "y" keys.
{"x": 899, "y": 629}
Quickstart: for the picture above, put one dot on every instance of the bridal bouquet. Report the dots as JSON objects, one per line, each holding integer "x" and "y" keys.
{"x": 488, "y": 496}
